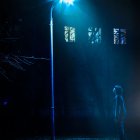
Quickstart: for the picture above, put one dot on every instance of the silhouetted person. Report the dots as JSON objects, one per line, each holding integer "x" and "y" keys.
{"x": 119, "y": 110}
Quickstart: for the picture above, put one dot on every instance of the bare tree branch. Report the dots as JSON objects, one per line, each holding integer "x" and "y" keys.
{"x": 17, "y": 62}
{"x": 3, "y": 73}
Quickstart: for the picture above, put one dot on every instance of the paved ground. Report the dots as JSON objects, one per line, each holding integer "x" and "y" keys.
{"x": 46, "y": 138}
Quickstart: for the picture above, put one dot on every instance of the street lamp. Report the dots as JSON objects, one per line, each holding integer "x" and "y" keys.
{"x": 68, "y": 2}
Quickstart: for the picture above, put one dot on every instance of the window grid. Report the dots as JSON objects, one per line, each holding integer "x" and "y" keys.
{"x": 94, "y": 35}
{"x": 119, "y": 36}
{"x": 69, "y": 33}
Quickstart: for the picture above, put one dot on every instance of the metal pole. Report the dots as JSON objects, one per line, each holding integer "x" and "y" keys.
{"x": 52, "y": 78}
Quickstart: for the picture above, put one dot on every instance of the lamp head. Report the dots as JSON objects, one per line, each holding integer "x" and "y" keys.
{"x": 68, "y": 2}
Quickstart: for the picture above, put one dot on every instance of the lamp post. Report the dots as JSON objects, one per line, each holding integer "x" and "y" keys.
{"x": 68, "y": 2}
{"x": 52, "y": 76}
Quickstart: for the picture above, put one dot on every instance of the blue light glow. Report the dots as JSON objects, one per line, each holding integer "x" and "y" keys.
{"x": 69, "y": 2}
{"x": 5, "y": 103}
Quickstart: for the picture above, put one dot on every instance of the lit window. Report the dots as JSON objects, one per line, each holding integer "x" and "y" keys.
{"x": 122, "y": 36}
{"x": 69, "y": 33}
{"x": 94, "y": 35}
{"x": 119, "y": 36}
{"x": 116, "y": 36}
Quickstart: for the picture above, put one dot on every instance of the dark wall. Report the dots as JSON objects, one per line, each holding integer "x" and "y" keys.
{"x": 85, "y": 75}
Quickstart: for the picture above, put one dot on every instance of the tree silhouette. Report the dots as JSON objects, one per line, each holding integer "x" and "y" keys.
{"x": 11, "y": 33}
{"x": 18, "y": 62}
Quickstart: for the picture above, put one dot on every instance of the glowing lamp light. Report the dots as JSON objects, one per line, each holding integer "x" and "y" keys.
{"x": 69, "y": 2}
